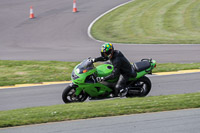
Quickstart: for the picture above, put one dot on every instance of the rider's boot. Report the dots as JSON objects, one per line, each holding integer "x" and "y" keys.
{"x": 123, "y": 92}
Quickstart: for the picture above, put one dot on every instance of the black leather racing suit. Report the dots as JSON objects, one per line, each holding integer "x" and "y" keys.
{"x": 122, "y": 68}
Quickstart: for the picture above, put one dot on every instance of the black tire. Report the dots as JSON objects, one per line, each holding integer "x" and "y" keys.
{"x": 69, "y": 96}
{"x": 144, "y": 90}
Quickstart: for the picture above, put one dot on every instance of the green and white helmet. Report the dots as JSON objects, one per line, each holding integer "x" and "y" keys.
{"x": 107, "y": 50}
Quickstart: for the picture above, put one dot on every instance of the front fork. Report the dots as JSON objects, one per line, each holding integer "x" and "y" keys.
{"x": 77, "y": 89}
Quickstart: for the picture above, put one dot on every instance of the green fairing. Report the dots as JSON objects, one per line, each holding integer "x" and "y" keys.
{"x": 92, "y": 89}
{"x": 97, "y": 89}
{"x": 102, "y": 70}
{"x": 81, "y": 79}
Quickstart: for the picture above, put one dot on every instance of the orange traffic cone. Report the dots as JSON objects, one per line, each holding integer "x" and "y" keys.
{"x": 74, "y": 6}
{"x": 31, "y": 13}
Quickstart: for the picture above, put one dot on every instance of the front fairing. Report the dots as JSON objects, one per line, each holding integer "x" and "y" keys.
{"x": 81, "y": 74}
{"x": 80, "y": 78}
{"x": 81, "y": 71}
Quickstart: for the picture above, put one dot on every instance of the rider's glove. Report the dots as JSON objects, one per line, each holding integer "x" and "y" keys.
{"x": 100, "y": 79}
{"x": 93, "y": 60}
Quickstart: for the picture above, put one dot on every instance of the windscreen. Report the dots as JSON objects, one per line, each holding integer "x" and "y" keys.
{"x": 85, "y": 66}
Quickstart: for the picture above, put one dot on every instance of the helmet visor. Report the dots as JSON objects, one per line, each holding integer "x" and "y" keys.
{"x": 106, "y": 54}
{"x": 103, "y": 54}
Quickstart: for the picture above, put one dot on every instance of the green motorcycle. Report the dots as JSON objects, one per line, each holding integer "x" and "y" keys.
{"x": 84, "y": 83}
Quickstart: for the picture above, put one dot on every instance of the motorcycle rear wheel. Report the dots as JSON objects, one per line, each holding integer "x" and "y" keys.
{"x": 144, "y": 87}
{"x": 69, "y": 96}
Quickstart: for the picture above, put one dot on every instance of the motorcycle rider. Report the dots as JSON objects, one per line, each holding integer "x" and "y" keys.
{"x": 122, "y": 68}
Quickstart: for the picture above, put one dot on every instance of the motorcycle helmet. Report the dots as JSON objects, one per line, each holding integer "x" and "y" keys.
{"x": 107, "y": 50}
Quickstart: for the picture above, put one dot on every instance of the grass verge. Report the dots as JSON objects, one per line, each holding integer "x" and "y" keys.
{"x": 151, "y": 22}
{"x": 21, "y": 72}
{"x": 104, "y": 108}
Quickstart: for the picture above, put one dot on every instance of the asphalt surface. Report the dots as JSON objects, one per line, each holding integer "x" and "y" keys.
{"x": 180, "y": 121}
{"x": 51, "y": 94}
{"x": 58, "y": 34}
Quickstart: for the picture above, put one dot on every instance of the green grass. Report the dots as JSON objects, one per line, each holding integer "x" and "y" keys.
{"x": 21, "y": 72}
{"x": 98, "y": 109}
{"x": 168, "y": 67}
{"x": 151, "y": 22}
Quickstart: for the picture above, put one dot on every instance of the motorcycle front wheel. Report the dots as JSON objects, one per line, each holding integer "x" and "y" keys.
{"x": 140, "y": 88}
{"x": 69, "y": 95}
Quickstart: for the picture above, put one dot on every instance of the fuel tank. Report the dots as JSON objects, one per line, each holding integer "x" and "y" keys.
{"x": 104, "y": 70}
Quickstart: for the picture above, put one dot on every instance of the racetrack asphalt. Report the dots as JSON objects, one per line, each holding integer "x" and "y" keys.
{"x": 58, "y": 34}
{"x": 46, "y": 95}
